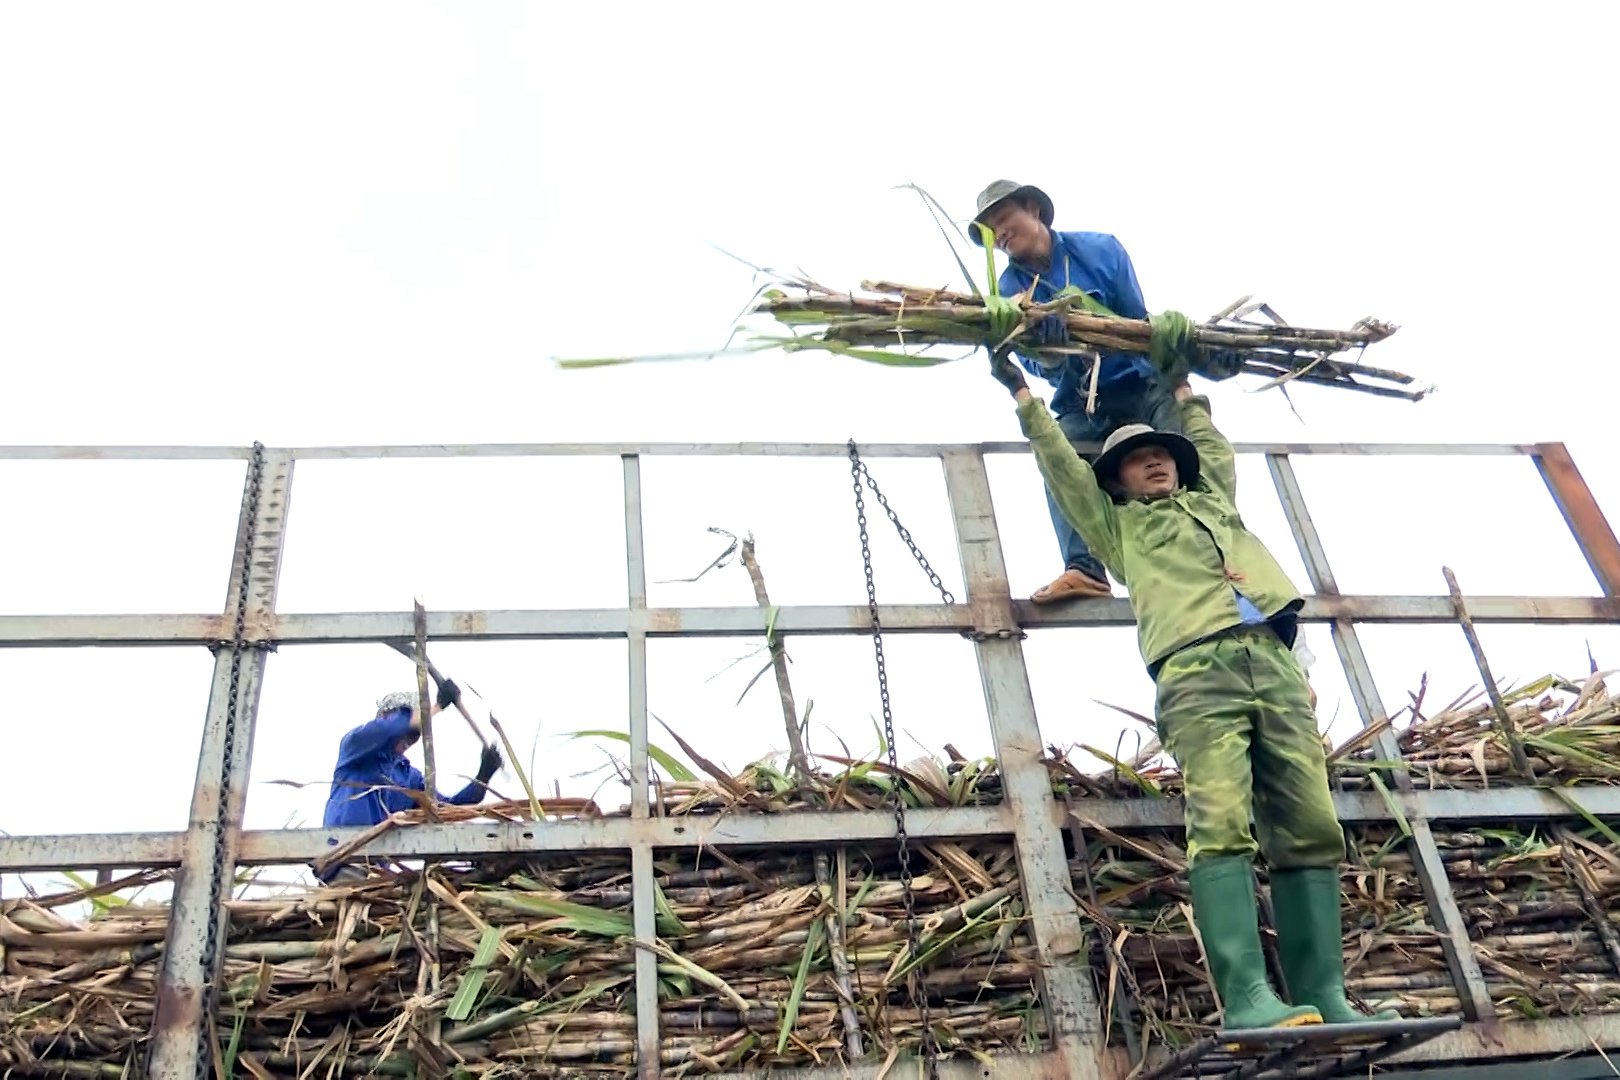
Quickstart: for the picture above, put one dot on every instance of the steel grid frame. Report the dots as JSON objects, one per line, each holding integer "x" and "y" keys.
{"x": 1028, "y": 817}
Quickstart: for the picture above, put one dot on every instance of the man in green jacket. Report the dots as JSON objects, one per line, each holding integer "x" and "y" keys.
{"x": 1216, "y": 619}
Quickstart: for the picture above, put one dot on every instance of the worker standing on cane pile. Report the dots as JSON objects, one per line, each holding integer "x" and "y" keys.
{"x": 1123, "y": 389}
{"x": 373, "y": 778}
{"x": 1216, "y": 619}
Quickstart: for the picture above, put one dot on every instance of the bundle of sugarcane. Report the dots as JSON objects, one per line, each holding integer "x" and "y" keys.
{"x": 899, "y": 324}
{"x": 1570, "y": 733}
{"x": 530, "y": 965}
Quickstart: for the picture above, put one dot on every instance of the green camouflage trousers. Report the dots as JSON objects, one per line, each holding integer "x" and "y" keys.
{"x": 1235, "y": 713}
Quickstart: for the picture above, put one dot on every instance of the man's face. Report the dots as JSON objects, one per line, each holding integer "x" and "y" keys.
{"x": 1019, "y": 231}
{"x": 1148, "y": 471}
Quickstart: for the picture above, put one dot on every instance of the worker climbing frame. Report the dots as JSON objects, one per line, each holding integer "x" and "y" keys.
{"x": 209, "y": 850}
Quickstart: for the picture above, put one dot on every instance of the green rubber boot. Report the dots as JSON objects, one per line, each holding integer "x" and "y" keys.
{"x": 1306, "y": 903}
{"x": 1229, "y": 922}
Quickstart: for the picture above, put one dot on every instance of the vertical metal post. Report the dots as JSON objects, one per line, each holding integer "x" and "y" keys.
{"x": 1067, "y": 991}
{"x": 179, "y": 1023}
{"x": 1431, "y": 870}
{"x": 1581, "y": 513}
{"x": 641, "y": 855}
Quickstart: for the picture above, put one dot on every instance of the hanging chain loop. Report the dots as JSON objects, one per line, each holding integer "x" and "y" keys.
{"x": 917, "y": 992}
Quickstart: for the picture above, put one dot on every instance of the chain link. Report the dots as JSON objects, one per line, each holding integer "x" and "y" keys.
{"x": 210, "y": 955}
{"x": 918, "y": 994}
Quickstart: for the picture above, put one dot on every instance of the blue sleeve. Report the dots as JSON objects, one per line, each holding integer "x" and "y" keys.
{"x": 467, "y": 796}
{"x": 1124, "y": 294}
{"x": 375, "y": 737}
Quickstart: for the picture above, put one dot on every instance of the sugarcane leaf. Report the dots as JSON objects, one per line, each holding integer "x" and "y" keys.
{"x": 669, "y": 924}
{"x": 1591, "y": 819}
{"x": 875, "y": 356}
{"x": 790, "y": 1015}
{"x": 1394, "y": 807}
{"x": 931, "y": 204}
{"x": 580, "y": 917}
{"x": 665, "y": 760}
{"x": 472, "y": 981}
{"x": 769, "y": 664}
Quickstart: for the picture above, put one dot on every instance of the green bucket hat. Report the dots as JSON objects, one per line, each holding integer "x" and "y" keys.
{"x": 1001, "y": 191}
{"x": 1132, "y": 436}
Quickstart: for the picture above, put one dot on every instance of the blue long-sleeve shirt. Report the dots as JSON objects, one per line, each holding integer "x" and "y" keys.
{"x": 1098, "y": 265}
{"x": 371, "y": 780}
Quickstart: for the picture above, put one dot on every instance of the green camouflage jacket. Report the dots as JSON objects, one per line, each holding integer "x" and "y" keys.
{"x": 1171, "y": 552}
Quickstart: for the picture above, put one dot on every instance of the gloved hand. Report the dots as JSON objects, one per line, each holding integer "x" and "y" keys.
{"x": 449, "y": 693}
{"x": 1171, "y": 345}
{"x": 1006, "y": 371}
{"x": 1220, "y": 363}
{"x": 489, "y": 763}
{"x": 1004, "y": 316}
{"x": 1051, "y": 330}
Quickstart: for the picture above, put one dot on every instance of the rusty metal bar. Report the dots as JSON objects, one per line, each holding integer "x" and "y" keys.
{"x": 1581, "y": 513}
{"x": 463, "y": 840}
{"x": 1068, "y": 995}
{"x": 746, "y": 449}
{"x": 179, "y": 1023}
{"x": 55, "y": 631}
{"x": 1443, "y": 911}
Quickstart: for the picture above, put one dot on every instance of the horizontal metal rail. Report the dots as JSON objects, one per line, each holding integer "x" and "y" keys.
{"x": 747, "y": 449}
{"x": 327, "y": 628}
{"x": 808, "y": 827}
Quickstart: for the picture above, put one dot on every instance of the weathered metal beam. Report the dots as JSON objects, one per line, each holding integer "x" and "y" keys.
{"x": 747, "y": 449}
{"x": 1431, "y": 870}
{"x": 642, "y": 884}
{"x": 809, "y": 827}
{"x": 179, "y": 1047}
{"x": 1582, "y": 514}
{"x": 1068, "y": 995}
{"x": 51, "y": 631}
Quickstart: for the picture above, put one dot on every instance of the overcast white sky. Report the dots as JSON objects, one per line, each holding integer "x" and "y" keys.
{"x": 363, "y": 223}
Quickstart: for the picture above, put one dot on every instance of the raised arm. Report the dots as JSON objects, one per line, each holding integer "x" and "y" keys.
{"x": 1217, "y": 462}
{"x": 1072, "y": 483}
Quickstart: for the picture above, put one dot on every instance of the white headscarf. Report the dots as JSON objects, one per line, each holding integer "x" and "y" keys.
{"x": 403, "y": 699}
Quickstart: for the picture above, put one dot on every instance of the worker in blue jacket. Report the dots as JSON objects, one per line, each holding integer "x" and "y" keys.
{"x": 1128, "y": 389}
{"x": 373, "y": 778}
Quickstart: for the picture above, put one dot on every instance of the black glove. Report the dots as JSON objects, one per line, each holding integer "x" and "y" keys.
{"x": 489, "y": 762}
{"x": 1006, "y": 371}
{"x": 1219, "y": 363}
{"x": 1051, "y": 330}
{"x": 449, "y": 693}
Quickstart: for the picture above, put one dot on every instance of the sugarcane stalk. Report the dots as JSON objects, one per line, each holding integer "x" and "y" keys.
{"x": 1505, "y": 725}
{"x": 800, "y": 765}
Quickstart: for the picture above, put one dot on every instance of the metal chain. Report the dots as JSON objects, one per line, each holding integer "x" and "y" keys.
{"x": 858, "y": 471}
{"x": 919, "y": 995}
{"x": 210, "y": 955}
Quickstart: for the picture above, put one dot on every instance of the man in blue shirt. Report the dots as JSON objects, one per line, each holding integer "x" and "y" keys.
{"x": 1128, "y": 388}
{"x": 373, "y": 779}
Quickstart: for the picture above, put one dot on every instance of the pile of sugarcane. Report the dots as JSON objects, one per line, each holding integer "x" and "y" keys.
{"x": 527, "y": 968}
{"x": 903, "y": 325}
